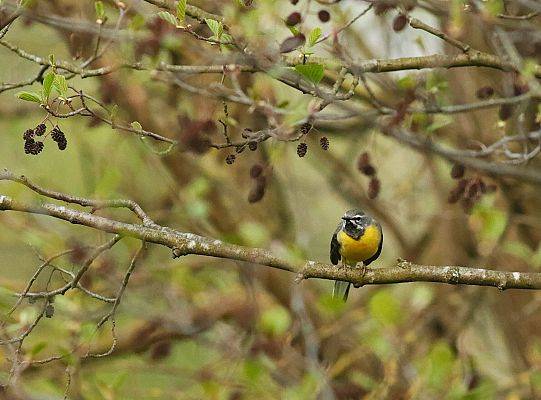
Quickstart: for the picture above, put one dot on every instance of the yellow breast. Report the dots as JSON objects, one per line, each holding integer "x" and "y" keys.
{"x": 354, "y": 251}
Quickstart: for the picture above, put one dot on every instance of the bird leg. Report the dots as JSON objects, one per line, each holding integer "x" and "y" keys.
{"x": 363, "y": 269}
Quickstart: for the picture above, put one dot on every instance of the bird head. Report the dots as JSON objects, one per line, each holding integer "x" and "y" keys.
{"x": 355, "y": 222}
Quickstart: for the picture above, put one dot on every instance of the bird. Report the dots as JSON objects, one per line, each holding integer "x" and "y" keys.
{"x": 357, "y": 239}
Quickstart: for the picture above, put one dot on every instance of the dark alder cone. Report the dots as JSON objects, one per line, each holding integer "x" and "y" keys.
{"x": 458, "y": 191}
{"x": 272, "y": 347}
{"x": 49, "y": 311}
{"x": 40, "y": 129}
{"x": 454, "y": 195}
{"x": 62, "y": 144}
{"x": 302, "y": 148}
{"x": 38, "y": 147}
{"x": 194, "y": 134}
{"x": 364, "y": 159}
{"x": 482, "y": 186}
{"x": 457, "y": 171}
{"x": 506, "y": 111}
{"x": 292, "y": 43}
{"x": 230, "y": 159}
{"x": 399, "y": 23}
{"x": 58, "y": 136}
{"x": 373, "y": 188}
{"x": 236, "y": 395}
{"x": 305, "y": 128}
{"x": 256, "y": 170}
{"x": 252, "y": 146}
{"x": 485, "y": 92}
{"x": 78, "y": 253}
{"x": 160, "y": 350}
{"x": 324, "y": 143}
{"x": 467, "y": 204}
{"x": 33, "y": 147}
{"x": 364, "y": 165}
{"x": 324, "y": 16}
{"x": 293, "y": 19}
{"x": 28, "y": 134}
{"x": 258, "y": 190}
{"x": 368, "y": 170}
{"x": 142, "y": 333}
{"x": 294, "y": 2}
{"x": 474, "y": 189}
{"x": 519, "y": 88}
{"x": 29, "y": 145}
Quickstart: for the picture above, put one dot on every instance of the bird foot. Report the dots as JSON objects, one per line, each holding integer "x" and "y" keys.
{"x": 363, "y": 269}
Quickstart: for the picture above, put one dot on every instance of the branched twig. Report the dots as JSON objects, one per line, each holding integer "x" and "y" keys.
{"x": 95, "y": 204}
{"x": 111, "y": 314}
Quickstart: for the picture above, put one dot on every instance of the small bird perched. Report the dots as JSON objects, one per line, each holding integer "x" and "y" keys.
{"x": 358, "y": 238}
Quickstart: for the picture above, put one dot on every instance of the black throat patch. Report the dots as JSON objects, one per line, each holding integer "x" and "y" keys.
{"x": 353, "y": 230}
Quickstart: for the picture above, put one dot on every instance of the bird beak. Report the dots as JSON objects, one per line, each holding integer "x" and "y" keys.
{"x": 346, "y": 218}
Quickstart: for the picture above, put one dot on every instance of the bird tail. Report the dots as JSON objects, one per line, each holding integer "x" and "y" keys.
{"x": 341, "y": 290}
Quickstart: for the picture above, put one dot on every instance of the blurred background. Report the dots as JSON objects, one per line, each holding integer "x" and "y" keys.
{"x": 205, "y": 328}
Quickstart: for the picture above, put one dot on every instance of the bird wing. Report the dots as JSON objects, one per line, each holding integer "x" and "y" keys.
{"x": 375, "y": 256}
{"x": 335, "y": 246}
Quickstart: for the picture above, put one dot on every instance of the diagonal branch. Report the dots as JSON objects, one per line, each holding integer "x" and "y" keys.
{"x": 187, "y": 243}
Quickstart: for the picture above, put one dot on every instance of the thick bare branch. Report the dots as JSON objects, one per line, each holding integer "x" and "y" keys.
{"x": 187, "y": 243}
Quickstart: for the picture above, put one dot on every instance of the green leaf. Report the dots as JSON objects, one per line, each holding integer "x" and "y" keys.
{"x": 311, "y": 71}
{"x": 436, "y": 83}
{"x": 494, "y": 7}
{"x": 52, "y": 61}
{"x": 137, "y": 22}
{"x": 440, "y": 364}
{"x": 113, "y": 113}
{"x": 168, "y": 17}
{"x": 253, "y": 369}
{"x": 406, "y": 83}
{"x": 536, "y": 259}
{"x": 29, "y": 96}
{"x": 253, "y": 234}
{"x": 37, "y": 348}
{"x": 137, "y": 126}
{"x": 48, "y": 84}
{"x": 100, "y": 11}
{"x": 529, "y": 68}
{"x": 440, "y": 121}
{"x": 217, "y": 28}
{"x": 275, "y": 321}
{"x": 181, "y": 10}
{"x": 294, "y": 30}
{"x": 385, "y": 308}
{"x": 518, "y": 249}
{"x": 314, "y": 36}
{"x": 60, "y": 84}
{"x": 535, "y": 379}
{"x": 492, "y": 221}
{"x": 227, "y": 38}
